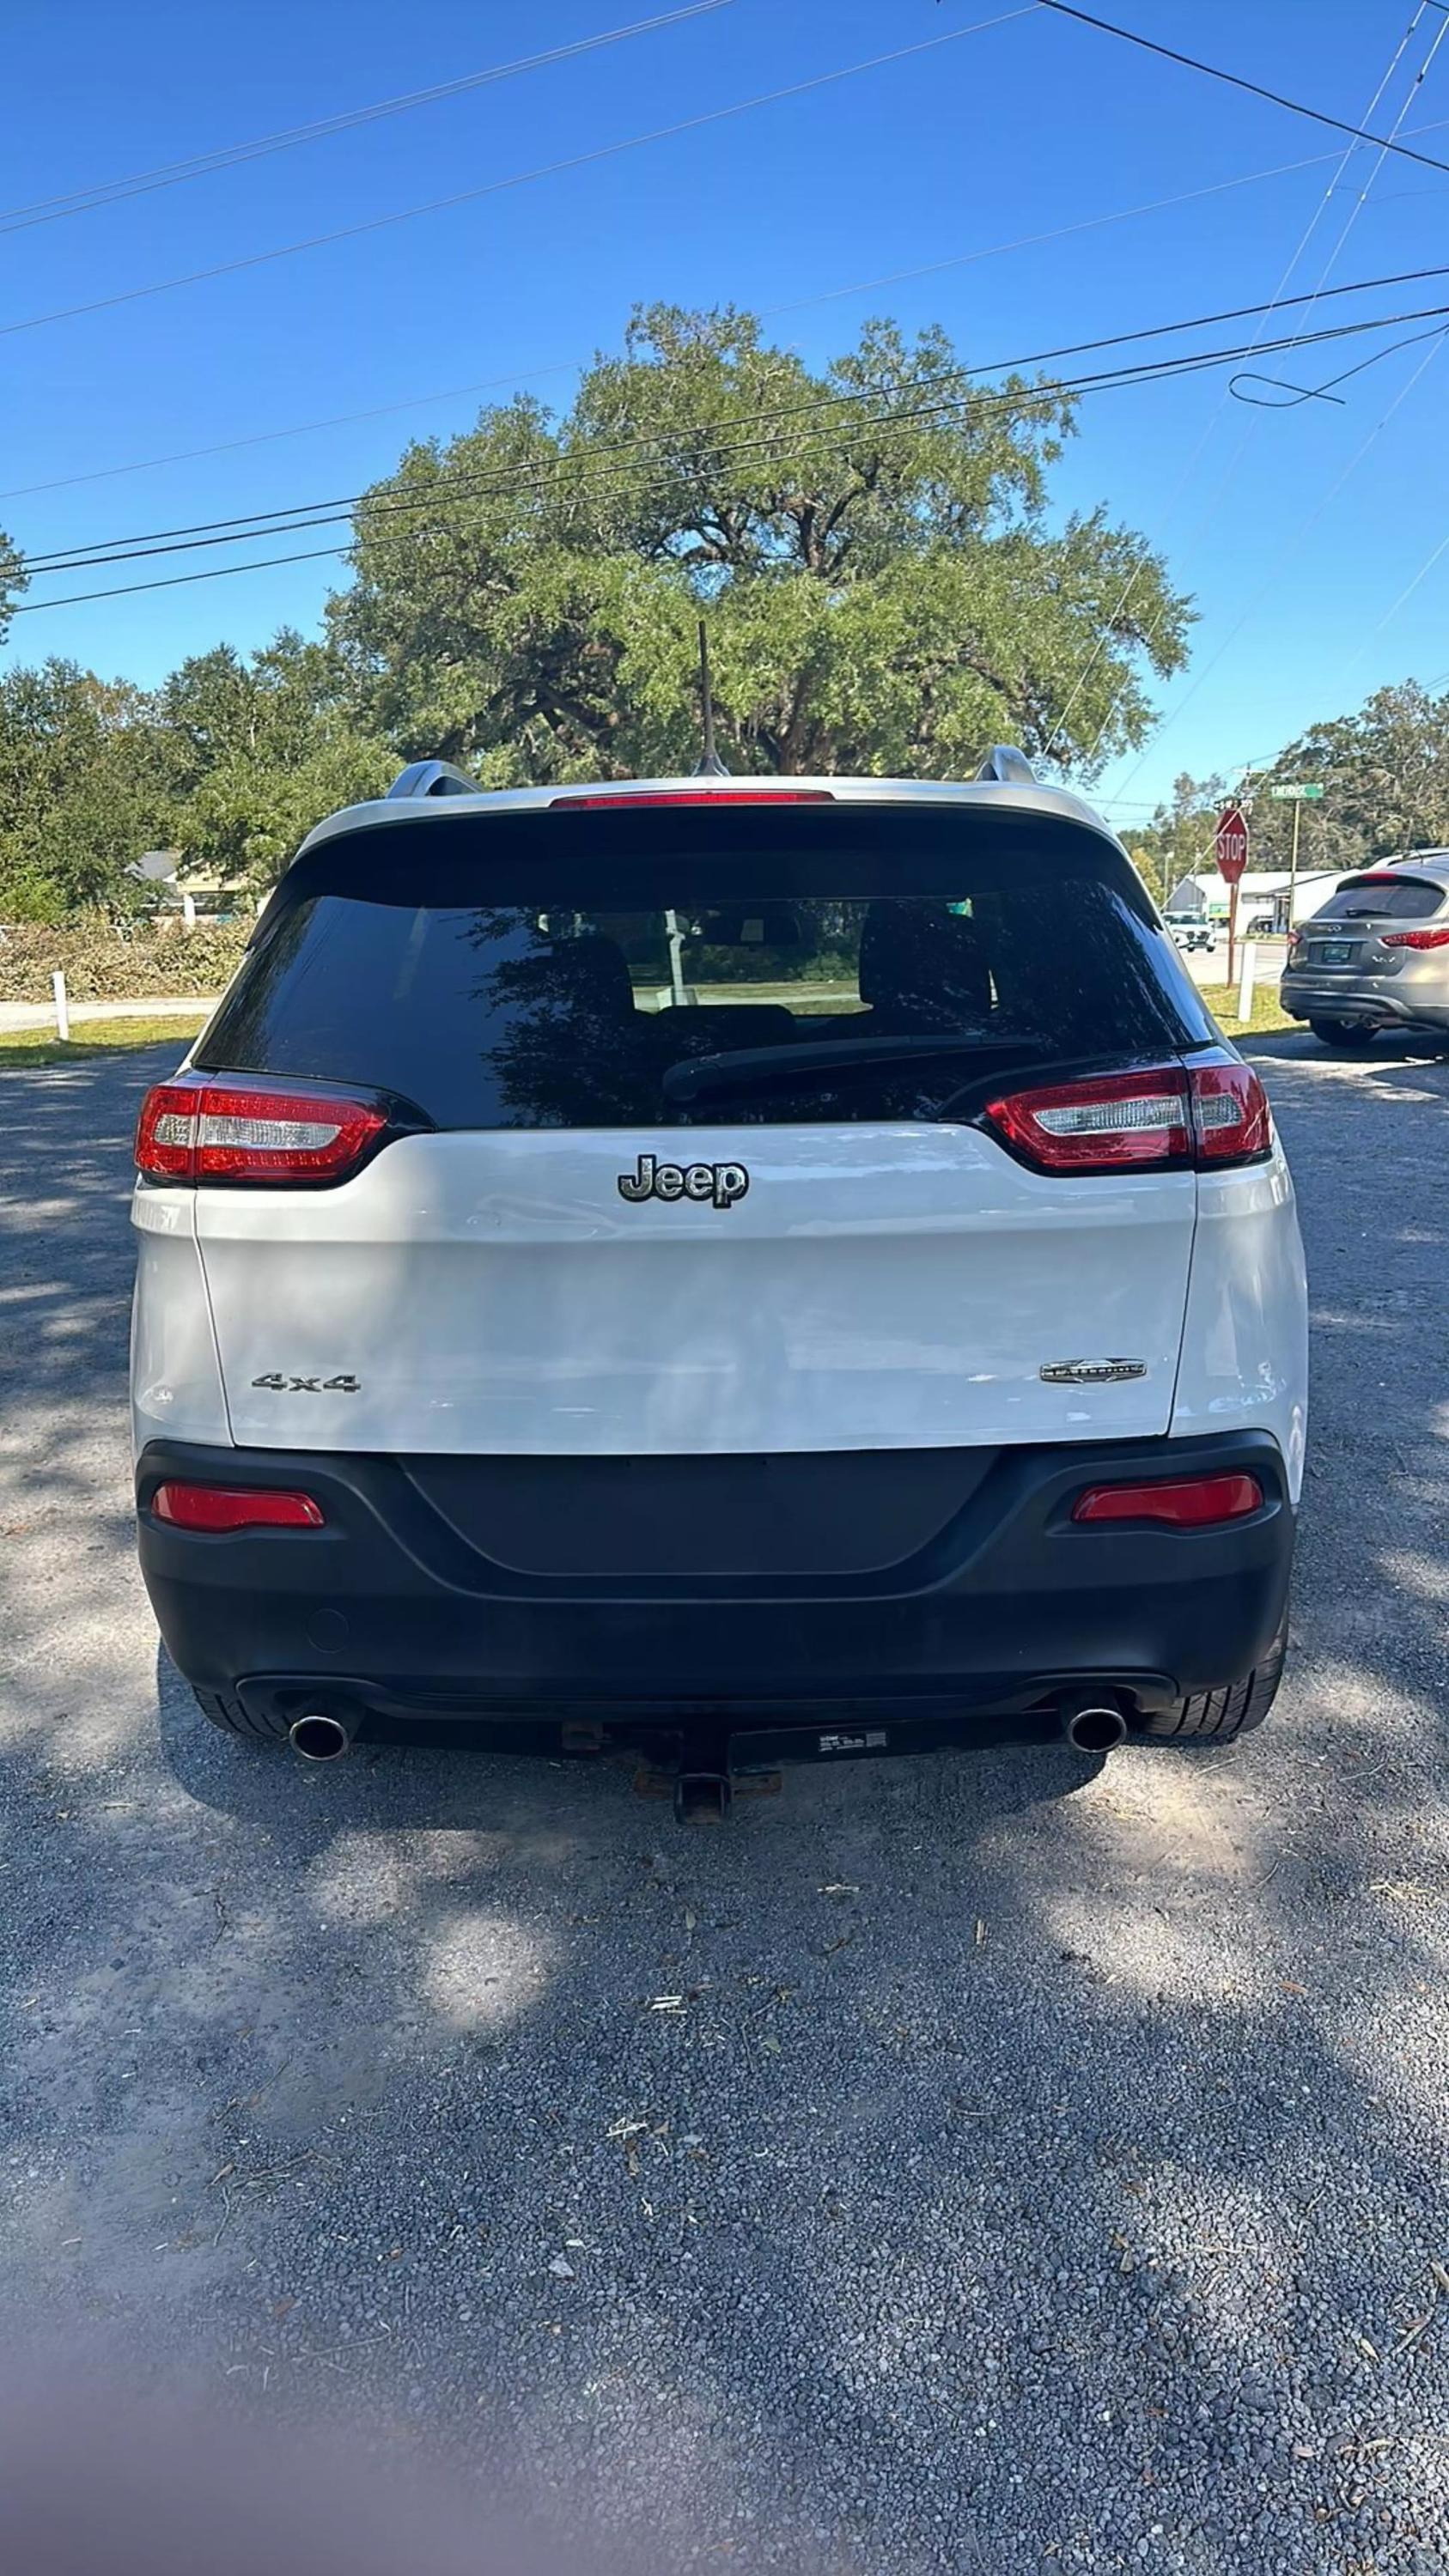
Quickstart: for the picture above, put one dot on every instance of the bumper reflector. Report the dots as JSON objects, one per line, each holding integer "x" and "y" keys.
{"x": 234, "y": 1507}
{"x": 1195, "y": 1502}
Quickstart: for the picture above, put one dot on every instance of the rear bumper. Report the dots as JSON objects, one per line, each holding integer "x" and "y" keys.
{"x": 395, "y": 1619}
{"x": 1368, "y": 1002}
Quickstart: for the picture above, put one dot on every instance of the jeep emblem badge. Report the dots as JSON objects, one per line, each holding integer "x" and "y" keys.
{"x": 708, "y": 1184}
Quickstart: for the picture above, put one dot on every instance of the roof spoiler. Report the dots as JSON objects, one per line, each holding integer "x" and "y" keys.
{"x": 1007, "y": 767}
{"x": 433, "y": 778}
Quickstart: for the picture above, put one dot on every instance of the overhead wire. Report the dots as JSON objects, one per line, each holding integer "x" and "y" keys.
{"x": 1322, "y": 290}
{"x": 1238, "y": 80}
{"x": 1141, "y": 372}
{"x": 283, "y": 519}
{"x": 1276, "y": 301}
{"x": 516, "y": 179}
{"x": 230, "y": 156}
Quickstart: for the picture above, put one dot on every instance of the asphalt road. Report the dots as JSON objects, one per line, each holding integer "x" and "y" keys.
{"x": 1030, "y": 2173}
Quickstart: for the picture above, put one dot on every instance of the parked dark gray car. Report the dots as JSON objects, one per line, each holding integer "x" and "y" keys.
{"x": 1377, "y": 956}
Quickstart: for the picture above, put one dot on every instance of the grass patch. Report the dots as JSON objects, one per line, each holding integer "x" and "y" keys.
{"x": 22, "y": 1047}
{"x": 1268, "y": 1013}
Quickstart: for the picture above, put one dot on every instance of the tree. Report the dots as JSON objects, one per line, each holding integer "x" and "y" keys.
{"x": 1386, "y": 776}
{"x": 871, "y": 543}
{"x": 82, "y": 791}
{"x": 13, "y": 579}
{"x": 257, "y": 751}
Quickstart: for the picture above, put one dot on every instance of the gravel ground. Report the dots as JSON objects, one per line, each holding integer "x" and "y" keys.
{"x": 1030, "y": 2171}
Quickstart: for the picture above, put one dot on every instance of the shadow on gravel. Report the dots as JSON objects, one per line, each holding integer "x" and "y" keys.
{"x": 943, "y": 2167}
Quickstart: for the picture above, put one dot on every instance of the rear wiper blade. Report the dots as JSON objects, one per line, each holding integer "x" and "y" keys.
{"x": 756, "y": 1068}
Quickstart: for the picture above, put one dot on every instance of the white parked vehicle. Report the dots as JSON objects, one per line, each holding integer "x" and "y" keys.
{"x": 749, "y": 1270}
{"x": 1192, "y": 931}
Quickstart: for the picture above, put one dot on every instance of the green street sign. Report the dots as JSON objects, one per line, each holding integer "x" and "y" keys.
{"x": 1286, "y": 795}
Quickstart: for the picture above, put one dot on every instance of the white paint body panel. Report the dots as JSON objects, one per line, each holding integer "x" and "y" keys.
{"x": 1245, "y": 1342}
{"x": 176, "y": 1389}
{"x": 880, "y": 1286}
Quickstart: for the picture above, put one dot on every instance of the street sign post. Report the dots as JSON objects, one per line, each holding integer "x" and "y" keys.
{"x": 1230, "y": 845}
{"x": 1299, "y": 792}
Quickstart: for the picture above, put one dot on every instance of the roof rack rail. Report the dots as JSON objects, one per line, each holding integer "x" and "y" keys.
{"x": 433, "y": 778}
{"x": 1010, "y": 768}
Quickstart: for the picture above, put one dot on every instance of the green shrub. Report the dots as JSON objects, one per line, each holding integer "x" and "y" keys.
{"x": 140, "y": 962}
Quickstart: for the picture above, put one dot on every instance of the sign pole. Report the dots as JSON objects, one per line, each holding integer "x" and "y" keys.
{"x": 1232, "y": 927}
{"x": 1293, "y": 861}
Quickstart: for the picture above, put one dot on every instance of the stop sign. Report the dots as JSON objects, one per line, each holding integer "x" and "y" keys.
{"x": 1230, "y": 841}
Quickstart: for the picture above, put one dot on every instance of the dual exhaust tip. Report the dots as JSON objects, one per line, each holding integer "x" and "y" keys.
{"x": 1092, "y": 1725}
{"x": 318, "y": 1738}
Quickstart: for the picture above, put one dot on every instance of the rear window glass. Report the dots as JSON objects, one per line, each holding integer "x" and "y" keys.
{"x": 678, "y": 973}
{"x": 1382, "y": 899}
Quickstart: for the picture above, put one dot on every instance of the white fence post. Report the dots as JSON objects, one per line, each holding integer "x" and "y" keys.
{"x": 188, "y": 911}
{"x": 62, "y": 1007}
{"x": 1245, "y": 988}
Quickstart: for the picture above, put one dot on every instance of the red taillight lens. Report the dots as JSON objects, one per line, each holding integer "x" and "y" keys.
{"x": 1230, "y": 1114}
{"x": 1415, "y": 938}
{"x": 692, "y": 796}
{"x": 234, "y": 1507}
{"x": 1164, "y": 1118}
{"x": 1111, "y": 1122}
{"x": 1193, "y": 1502}
{"x": 209, "y": 1128}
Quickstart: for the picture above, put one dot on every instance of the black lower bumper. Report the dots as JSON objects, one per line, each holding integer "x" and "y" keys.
{"x": 942, "y": 1590}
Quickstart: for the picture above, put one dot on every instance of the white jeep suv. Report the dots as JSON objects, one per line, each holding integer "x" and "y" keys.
{"x": 745, "y": 1270}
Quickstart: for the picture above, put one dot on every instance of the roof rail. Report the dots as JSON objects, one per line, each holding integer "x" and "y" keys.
{"x": 433, "y": 778}
{"x": 1008, "y": 767}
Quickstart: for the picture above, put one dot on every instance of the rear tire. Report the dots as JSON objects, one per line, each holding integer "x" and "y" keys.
{"x": 1347, "y": 1035}
{"x": 230, "y": 1716}
{"x": 1234, "y": 1710}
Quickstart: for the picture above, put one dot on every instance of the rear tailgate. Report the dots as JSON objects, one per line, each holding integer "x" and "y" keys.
{"x": 698, "y": 1161}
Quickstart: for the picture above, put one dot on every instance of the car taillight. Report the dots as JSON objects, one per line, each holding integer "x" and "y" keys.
{"x": 1168, "y": 1117}
{"x": 691, "y": 796}
{"x": 1230, "y": 1113}
{"x": 209, "y": 1128}
{"x": 1184, "y": 1502}
{"x": 1415, "y": 938}
{"x": 234, "y": 1507}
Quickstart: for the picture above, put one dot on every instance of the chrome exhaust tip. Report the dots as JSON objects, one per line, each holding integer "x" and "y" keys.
{"x": 318, "y": 1738}
{"x": 1093, "y": 1726}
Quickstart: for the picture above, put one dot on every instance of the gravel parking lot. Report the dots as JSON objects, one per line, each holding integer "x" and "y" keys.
{"x": 969, "y": 2166}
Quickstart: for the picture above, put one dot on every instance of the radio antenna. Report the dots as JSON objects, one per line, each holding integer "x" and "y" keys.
{"x": 711, "y": 766}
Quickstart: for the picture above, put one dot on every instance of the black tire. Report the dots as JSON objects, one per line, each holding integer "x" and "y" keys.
{"x": 1234, "y": 1710}
{"x": 1347, "y": 1035}
{"x": 232, "y": 1718}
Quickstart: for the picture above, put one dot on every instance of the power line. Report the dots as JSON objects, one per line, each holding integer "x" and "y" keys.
{"x": 1346, "y": 228}
{"x": 1145, "y": 372}
{"x": 563, "y": 366}
{"x": 1278, "y": 299}
{"x": 519, "y": 179}
{"x": 1238, "y": 80}
{"x": 199, "y": 165}
{"x": 271, "y": 522}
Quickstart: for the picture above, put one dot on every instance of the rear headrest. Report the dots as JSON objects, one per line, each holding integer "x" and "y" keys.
{"x": 922, "y": 958}
{"x": 586, "y": 974}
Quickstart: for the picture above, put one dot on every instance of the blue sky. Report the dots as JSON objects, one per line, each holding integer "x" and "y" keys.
{"x": 1297, "y": 532}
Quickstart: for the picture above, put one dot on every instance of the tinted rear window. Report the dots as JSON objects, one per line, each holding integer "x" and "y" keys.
{"x": 600, "y": 970}
{"x": 1383, "y": 899}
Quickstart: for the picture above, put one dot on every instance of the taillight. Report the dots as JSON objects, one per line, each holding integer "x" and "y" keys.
{"x": 1415, "y": 938}
{"x": 209, "y": 1128}
{"x": 1168, "y": 1117}
{"x": 234, "y": 1507}
{"x": 1184, "y": 1502}
{"x": 1110, "y": 1122}
{"x": 1230, "y": 1113}
{"x": 691, "y": 796}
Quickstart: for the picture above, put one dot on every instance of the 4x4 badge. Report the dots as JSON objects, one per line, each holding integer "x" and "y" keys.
{"x": 276, "y": 1384}
{"x": 718, "y": 1185}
